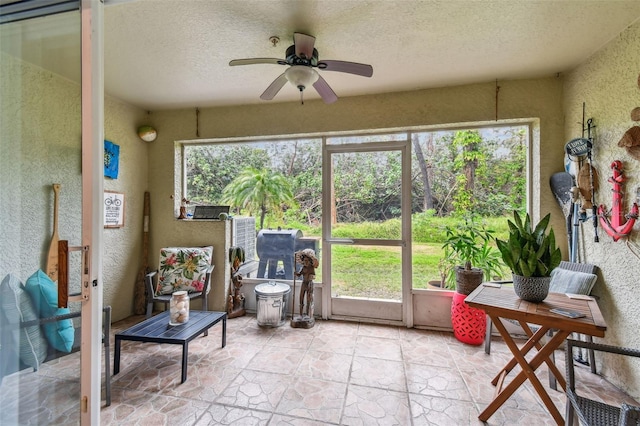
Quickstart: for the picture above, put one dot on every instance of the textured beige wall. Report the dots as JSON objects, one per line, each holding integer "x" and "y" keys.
{"x": 40, "y": 134}
{"x": 40, "y": 145}
{"x": 608, "y": 85}
{"x": 530, "y": 99}
{"x": 123, "y": 246}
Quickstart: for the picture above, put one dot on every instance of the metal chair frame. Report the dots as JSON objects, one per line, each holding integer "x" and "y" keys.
{"x": 150, "y": 282}
{"x": 591, "y": 412}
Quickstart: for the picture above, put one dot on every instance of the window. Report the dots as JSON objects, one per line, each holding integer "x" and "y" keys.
{"x": 279, "y": 182}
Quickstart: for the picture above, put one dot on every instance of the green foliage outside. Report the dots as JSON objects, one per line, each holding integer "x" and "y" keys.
{"x": 281, "y": 183}
{"x": 367, "y": 183}
{"x": 470, "y": 159}
{"x": 258, "y": 191}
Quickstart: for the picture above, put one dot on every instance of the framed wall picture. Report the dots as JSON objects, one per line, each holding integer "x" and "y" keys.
{"x": 113, "y": 209}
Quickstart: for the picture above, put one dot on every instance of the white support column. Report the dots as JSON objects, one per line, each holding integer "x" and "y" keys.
{"x": 92, "y": 38}
{"x": 407, "y": 262}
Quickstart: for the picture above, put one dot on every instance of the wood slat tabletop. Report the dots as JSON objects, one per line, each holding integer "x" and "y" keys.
{"x": 503, "y": 302}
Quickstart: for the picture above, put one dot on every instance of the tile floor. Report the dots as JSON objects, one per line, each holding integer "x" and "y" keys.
{"x": 336, "y": 373}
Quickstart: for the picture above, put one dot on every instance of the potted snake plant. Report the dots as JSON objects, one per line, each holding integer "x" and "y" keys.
{"x": 531, "y": 254}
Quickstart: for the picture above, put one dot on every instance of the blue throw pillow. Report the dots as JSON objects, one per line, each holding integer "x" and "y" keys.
{"x": 44, "y": 294}
{"x": 16, "y": 308}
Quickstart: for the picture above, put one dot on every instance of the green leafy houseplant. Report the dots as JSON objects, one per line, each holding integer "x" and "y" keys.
{"x": 530, "y": 251}
{"x": 469, "y": 246}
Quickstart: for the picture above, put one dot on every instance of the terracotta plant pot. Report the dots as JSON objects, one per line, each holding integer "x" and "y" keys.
{"x": 435, "y": 285}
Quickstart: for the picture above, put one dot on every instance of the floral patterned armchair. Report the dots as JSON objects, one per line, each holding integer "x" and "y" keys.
{"x": 180, "y": 269}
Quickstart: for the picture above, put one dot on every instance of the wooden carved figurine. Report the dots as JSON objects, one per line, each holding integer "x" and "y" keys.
{"x": 235, "y": 302}
{"x": 307, "y": 258}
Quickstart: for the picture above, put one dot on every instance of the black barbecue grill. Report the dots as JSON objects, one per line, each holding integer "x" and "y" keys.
{"x": 279, "y": 245}
{"x": 274, "y": 246}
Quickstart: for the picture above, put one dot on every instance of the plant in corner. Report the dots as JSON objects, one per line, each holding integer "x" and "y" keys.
{"x": 469, "y": 256}
{"x": 531, "y": 254}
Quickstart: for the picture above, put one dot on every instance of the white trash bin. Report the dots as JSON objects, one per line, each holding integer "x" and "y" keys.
{"x": 271, "y": 301}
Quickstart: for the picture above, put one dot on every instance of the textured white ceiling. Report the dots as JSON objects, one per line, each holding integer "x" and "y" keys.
{"x": 162, "y": 54}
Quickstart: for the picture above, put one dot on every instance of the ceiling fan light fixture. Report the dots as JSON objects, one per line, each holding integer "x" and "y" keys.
{"x": 301, "y": 76}
{"x": 301, "y": 58}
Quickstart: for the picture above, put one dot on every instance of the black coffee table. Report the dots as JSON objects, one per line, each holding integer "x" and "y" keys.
{"x": 157, "y": 330}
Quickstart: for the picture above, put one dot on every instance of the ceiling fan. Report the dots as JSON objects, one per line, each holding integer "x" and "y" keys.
{"x": 302, "y": 59}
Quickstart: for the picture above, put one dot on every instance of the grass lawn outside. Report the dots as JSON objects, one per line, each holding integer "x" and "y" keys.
{"x": 375, "y": 272}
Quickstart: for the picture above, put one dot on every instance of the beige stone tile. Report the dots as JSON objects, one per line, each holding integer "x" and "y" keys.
{"x": 277, "y": 360}
{"x": 204, "y": 382}
{"x": 436, "y": 382}
{"x": 374, "y": 330}
{"x": 478, "y": 383}
{"x": 336, "y": 328}
{"x": 371, "y": 406}
{"x": 334, "y": 373}
{"x": 325, "y": 365}
{"x": 422, "y": 337}
{"x": 235, "y": 354}
{"x": 37, "y": 400}
{"x": 314, "y": 399}
{"x": 378, "y": 373}
{"x": 154, "y": 410}
{"x": 425, "y": 351}
{"x": 295, "y": 338}
{"x": 506, "y": 416}
{"x": 377, "y": 347}
{"x": 251, "y": 333}
{"x": 218, "y": 414}
{"x": 280, "y": 420}
{"x": 153, "y": 373}
{"x": 255, "y": 390}
{"x": 339, "y": 343}
{"x": 442, "y": 411}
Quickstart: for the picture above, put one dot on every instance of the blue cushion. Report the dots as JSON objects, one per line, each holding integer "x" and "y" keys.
{"x": 16, "y": 307}
{"x": 566, "y": 281}
{"x": 44, "y": 294}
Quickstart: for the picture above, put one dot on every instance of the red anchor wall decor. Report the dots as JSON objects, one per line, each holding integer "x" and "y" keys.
{"x": 619, "y": 226}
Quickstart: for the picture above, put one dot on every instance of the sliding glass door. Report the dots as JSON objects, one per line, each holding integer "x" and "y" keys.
{"x": 51, "y": 173}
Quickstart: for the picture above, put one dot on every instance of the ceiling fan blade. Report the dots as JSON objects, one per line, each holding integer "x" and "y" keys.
{"x": 325, "y": 91}
{"x": 252, "y": 61}
{"x": 304, "y": 45}
{"x": 348, "y": 67}
{"x": 274, "y": 88}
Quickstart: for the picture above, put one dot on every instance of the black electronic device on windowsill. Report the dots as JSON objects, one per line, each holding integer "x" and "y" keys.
{"x": 209, "y": 212}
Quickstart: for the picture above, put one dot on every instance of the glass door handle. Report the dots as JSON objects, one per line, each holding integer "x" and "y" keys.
{"x": 340, "y": 241}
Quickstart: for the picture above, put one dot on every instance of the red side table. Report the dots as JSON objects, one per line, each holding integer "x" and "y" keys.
{"x": 469, "y": 324}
